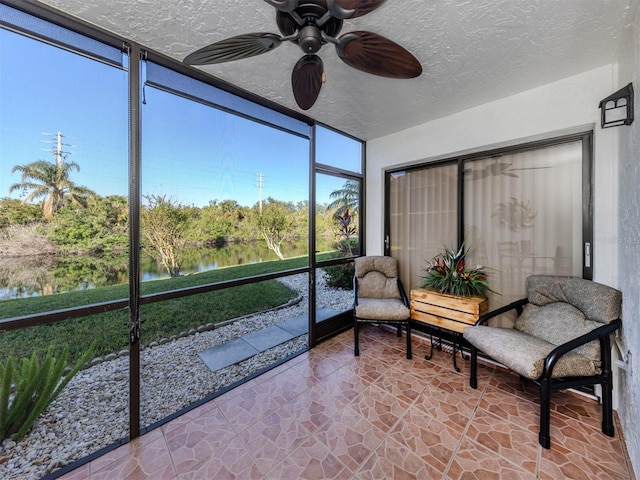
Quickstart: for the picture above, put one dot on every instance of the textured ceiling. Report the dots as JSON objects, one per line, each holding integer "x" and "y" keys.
{"x": 472, "y": 51}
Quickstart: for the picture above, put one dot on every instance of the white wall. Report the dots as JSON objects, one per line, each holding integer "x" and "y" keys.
{"x": 566, "y": 106}
{"x": 629, "y": 228}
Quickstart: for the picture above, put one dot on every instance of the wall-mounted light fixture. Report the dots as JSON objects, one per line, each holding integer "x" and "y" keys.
{"x": 617, "y": 108}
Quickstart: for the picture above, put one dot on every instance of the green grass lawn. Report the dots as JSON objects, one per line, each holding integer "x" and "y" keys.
{"x": 161, "y": 320}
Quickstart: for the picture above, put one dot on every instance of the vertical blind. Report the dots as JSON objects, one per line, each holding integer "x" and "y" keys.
{"x": 522, "y": 214}
{"x": 423, "y": 215}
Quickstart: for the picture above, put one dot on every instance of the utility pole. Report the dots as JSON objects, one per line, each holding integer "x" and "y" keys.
{"x": 260, "y": 184}
{"x": 57, "y": 150}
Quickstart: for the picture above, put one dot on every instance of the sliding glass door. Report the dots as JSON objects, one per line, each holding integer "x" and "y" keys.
{"x": 523, "y": 215}
{"x": 422, "y": 218}
{"x": 520, "y": 212}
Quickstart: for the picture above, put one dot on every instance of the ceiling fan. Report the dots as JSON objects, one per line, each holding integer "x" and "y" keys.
{"x": 311, "y": 24}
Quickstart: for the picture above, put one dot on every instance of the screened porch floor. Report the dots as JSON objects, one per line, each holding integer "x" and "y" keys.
{"x": 327, "y": 414}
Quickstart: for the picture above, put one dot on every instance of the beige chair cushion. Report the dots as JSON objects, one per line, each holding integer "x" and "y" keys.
{"x": 525, "y": 354}
{"x": 382, "y": 309}
{"x": 377, "y": 277}
{"x": 598, "y": 302}
{"x": 558, "y": 323}
{"x": 560, "y": 309}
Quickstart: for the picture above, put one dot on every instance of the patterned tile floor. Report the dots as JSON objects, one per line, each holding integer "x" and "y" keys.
{"x": 327, "y": 414}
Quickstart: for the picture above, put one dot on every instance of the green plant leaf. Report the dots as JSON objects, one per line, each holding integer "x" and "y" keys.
{"x": 76, "y": 368}
{"x": 46, "y": 384}
{"x": 6, "y": 375}
{"x": 448, "y": 273}
{"x": 39, "y": 385}
{"x": 24, "y": 387}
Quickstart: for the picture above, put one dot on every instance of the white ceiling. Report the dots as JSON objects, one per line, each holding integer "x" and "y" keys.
{"x": 472, "y": 51}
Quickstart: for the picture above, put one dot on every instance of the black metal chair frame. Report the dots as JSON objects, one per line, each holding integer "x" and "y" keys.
{"x": 547, "y": 384}
{"x": 456, "y": 344}
{"x": 398, "y": 323}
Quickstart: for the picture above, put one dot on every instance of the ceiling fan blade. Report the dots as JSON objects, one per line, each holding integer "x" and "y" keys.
{"x": 306, "y": 80}
{"x": 375, "y": 54}
{"x": 234, "y": 48}
{"x": 283, "y": 5}
{"x": 360, "y": 7}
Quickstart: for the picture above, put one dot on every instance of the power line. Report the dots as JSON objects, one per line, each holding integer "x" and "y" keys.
{"x": 60, "y": 154}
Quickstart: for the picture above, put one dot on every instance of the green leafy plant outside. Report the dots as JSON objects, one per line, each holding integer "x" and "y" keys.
{"x": 340, "y": 276}
{"x": 348, "y": 245}
{"x": 28, "y": 387}
{"x": 448, "y": 273}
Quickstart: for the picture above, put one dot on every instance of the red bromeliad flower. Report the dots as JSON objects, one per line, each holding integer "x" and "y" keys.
{"x": 447, "y": 273}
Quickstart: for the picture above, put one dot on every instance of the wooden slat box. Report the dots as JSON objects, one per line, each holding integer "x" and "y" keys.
{"x": 446, "y": 311}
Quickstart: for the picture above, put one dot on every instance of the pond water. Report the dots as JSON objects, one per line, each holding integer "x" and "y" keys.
{"x": 29, "y": 276}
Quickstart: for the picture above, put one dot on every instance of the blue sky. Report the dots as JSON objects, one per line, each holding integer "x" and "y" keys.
{"x": 45, "y": 90}
{"x": 191, "y": 153}
{"x": 205, "y": 153}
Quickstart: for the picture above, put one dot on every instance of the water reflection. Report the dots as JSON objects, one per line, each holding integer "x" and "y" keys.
{"x": 36, "y": 275}
{"x": 195, "y": 260}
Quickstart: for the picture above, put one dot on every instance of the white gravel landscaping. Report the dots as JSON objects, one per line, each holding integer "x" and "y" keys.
{"x": 92, "y": 411}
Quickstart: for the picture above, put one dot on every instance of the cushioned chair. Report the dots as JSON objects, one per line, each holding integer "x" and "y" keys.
{"x": 379, "y": 296}
{"x": 561, "y": 339}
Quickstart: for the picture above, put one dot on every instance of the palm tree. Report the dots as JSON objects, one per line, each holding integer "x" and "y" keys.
{"x": 346, "y": 198}
{"x": 51, "y": 183}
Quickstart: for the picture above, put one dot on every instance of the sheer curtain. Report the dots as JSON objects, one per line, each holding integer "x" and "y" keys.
{"x": 522, "y": 214}
{"x": 423, "y": 216}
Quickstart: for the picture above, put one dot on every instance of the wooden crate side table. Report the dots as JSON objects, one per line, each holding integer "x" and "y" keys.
{"x": 447, "y": 312}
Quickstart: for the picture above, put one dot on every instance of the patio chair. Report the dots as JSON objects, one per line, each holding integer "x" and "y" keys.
{"x": 379, "y": 297}
{"x": 561, "y": 339}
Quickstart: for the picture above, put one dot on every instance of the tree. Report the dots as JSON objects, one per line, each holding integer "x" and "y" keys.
{"x": 217, "y": 222}
{"x": 164, "y": 222}
{"x": 275, "y": 223}
{"x": 301, "y": 219}
{"x": 346, "y": 198}
{"x": 99, "y": 227}
{"x": 50, "y": 182}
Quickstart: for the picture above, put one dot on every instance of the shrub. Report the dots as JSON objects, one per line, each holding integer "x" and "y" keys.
{"x": 14, "y": 212}
{"x": 28, "y": 387}
{"x": 340, "y": 276}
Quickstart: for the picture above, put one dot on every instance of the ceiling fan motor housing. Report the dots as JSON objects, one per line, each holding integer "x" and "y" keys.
{"x": 309, "y": 34}
{"x": 310, "y": 39}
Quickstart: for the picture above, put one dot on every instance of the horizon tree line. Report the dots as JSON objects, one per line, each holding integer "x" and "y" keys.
{"x": 80, "y": 221}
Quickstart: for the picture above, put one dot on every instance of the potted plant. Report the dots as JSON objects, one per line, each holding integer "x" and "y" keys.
{"x": 453, "y": 296}
{"x": 448, "y": 273}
